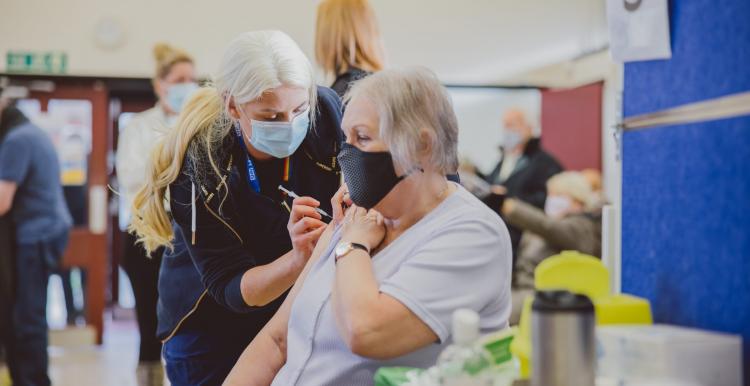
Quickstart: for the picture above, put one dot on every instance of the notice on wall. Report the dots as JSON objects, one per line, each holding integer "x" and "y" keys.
{"x": 68, "y": 123}
{"x": 638, "y": 30}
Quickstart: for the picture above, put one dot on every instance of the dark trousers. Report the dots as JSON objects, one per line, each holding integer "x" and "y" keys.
{"x": 70, "y": 306}
{"x": 143, "y": 273}
{"x": 26, "y": 343}
{"x": 205, "y": 348}
{"x": 193, "y": 361}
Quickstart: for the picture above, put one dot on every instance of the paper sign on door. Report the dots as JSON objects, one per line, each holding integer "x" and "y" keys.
{"x": 638, "y": 30}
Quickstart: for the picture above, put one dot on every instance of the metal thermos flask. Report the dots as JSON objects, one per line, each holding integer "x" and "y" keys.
{"x": 562, "y": 337}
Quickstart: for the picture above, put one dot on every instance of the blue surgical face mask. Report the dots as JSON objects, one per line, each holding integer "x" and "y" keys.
{"x": 178, "y": 94}
{"x": 511, "y": 139}
{"x": 280, "y": 139}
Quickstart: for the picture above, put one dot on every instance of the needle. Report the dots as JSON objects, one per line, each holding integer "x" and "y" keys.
{"x": 295, "y": 195}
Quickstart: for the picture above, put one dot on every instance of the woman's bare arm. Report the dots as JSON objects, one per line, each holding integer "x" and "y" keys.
{"x": 266, "y": 354}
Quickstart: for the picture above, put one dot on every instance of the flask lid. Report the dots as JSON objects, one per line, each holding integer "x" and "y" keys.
{"x": 561, "y": 301}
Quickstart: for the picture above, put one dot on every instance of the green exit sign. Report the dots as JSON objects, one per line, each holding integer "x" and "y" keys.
{"x": 53, "y": 62}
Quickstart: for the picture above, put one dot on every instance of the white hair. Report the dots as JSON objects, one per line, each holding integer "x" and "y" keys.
{"x": 257, "y": 61}
{"x": 531, "y": 118}
{"x": 407, "y": 101}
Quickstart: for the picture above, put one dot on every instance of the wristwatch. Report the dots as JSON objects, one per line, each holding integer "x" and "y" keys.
{"x": 343, "y": 248}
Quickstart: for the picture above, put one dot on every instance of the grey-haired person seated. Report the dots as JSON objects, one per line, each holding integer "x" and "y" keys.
{"x": 412, "y": 247}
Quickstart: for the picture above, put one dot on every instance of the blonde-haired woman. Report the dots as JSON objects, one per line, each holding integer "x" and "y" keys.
{"x": 174, "y": 80}
{"x": 230, "y": 258}
{"x": 571, "y": 220}
{"x": 413, "y": 247}
{"x": 347, "y": 42}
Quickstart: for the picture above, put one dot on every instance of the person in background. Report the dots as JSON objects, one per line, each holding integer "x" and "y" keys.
{"x": 594, "y": 178}
{"x": 7, "y": 274}
{"x": 236, "y": 244}
{"x": 73, "y": 313}
{"x": 75, "y": 199}
{"x": 523, "y": 170}
{"x": 31, "y": 191}
{"x": 173, "y": 82}
{"x": 348, "y": 45}
{"x": 413, "y": 247}
{"x": 571, "y": 220}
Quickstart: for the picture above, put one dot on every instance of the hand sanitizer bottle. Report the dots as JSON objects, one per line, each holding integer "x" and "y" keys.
{"x": 464, "y": 362}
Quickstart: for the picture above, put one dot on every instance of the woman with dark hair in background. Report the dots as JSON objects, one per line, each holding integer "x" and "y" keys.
{"x": 174, "y": 80}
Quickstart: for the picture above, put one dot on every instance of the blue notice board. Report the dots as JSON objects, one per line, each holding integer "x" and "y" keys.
{"x": 686, "y": 188}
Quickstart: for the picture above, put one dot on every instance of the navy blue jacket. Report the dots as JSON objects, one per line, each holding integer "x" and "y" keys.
{"x": 240, "y": 230}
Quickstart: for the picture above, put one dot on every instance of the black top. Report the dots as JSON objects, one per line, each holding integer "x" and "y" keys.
{"x": 240, "y": 230}
{"x": 344, "y": 81}
{"x": 527, "y": 182}
{"x": 10, "y": 117}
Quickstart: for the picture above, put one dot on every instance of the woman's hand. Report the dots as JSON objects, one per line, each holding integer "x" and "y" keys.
{"x": 340, "y": 202}
{"x": 305, "y": 226}
{"x": 363, "y": 226}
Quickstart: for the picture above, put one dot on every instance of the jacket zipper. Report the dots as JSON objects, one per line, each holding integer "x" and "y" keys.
{"x": 192, "y": 311}
{"x": 223, "y": 222}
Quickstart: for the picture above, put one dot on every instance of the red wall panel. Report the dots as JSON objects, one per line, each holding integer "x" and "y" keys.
{"x": 572, "y": 125}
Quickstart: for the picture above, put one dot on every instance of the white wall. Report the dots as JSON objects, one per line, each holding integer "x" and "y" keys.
{"x": 476, "y": 41}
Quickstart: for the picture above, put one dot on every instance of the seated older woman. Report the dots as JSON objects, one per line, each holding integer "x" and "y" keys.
{"x": 382, "y": 284}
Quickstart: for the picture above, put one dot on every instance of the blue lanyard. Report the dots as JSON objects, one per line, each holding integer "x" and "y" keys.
{"x": 251, "y": 174}
{"x": 254, "y": 182}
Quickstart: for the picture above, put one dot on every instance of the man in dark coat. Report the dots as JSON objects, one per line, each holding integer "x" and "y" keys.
{"x": 523, "y": 170}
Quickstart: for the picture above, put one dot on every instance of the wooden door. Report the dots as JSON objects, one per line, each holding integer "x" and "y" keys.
{"x": 82, "y": 109}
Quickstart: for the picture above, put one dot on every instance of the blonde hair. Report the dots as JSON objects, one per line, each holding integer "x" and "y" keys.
{"x": 407, "y": 101}
{"x": 573, "y": 184}
{"x": 347, "y": 35}
{"x": 253, "y": 63}
{"x": 167, "y": 57}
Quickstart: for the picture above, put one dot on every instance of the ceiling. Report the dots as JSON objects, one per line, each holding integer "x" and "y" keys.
{"x": 477, "y": 42}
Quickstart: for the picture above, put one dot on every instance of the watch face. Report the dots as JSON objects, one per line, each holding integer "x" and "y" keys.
{"x": 342, "y": 249}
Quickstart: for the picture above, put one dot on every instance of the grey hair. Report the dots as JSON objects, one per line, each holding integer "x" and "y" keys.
{"x": 408, "y": 100}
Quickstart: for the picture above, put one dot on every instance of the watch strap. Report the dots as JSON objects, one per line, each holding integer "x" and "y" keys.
{"x": 352, "y": 247}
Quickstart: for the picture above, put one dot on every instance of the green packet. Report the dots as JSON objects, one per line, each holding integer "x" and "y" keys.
{"x": 394, "y": 376}
{"x": 497, "y": 345}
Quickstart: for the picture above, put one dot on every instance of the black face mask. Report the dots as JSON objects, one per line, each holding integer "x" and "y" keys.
{"x": 370, "y": 176}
